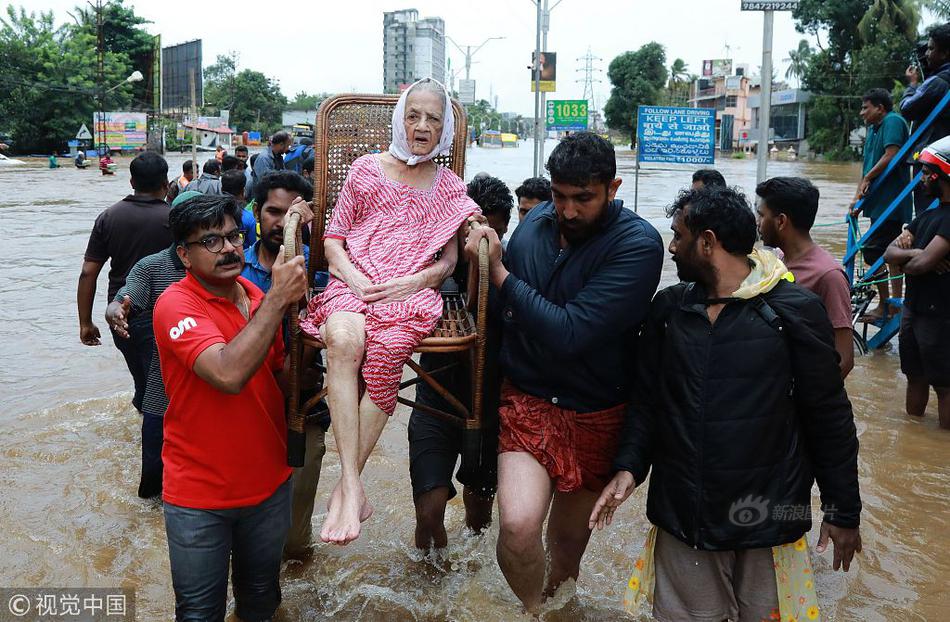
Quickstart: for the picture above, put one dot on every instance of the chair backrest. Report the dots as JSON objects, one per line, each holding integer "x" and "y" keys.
{"x": 349, "y": 126}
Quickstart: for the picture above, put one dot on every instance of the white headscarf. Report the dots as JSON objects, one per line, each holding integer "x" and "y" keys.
{"x": 399, "y": 147}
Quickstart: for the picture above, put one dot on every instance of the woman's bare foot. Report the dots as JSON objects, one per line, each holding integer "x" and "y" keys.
{"x": 342, "y": 524}
{"x": 366, "y": 511}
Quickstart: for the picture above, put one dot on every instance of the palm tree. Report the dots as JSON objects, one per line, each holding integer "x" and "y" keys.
{"x": 899, "y": 16}
{"x": 798, "y": 60}
{"x": 678, "y": 75}
{"x": 940, "y": 8}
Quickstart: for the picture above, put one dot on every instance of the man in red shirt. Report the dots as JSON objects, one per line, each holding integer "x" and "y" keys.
{"x": 226, "y": 481}
{"x": 786, "y": 213}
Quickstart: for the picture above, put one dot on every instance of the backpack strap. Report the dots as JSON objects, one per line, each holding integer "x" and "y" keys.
{"x": 767, "y": 313}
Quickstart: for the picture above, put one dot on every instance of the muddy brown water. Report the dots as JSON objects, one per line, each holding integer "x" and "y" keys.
{"x": 69, "y": 452}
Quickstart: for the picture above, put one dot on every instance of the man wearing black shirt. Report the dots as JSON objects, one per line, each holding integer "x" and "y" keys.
{"x": 134, "y": 227}
{"x": 922, "y": 250}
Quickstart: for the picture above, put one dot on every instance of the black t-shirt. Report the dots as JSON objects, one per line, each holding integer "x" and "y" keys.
{"x": 134, "y": 227}
{"x": 929, "y": 294}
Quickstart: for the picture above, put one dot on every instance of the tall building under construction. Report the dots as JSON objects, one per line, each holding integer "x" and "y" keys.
{"x": 413, "y": 49}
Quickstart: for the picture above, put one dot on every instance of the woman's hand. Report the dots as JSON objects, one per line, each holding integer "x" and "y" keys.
{"x": 393, "y": 290}
{"x": 359, "y": 284}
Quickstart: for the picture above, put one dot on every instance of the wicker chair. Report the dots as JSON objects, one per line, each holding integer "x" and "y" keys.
{"x": 347, "y": 127}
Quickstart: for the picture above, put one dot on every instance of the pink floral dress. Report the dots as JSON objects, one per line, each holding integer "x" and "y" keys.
{"x": 391, "y": 230}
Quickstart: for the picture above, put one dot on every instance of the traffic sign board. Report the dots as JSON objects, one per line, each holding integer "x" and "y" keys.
{"x": 566, "y": 115}
{"x": 769, "y": 5}
{"x": 83, "y": 133}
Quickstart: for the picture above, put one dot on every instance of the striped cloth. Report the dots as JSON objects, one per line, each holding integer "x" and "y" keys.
{"x": 147, "y": 279}
{"x": 391, "y": 230}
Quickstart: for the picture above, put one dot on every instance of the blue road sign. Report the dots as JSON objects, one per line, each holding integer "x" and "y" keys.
{"x": 676, "y": 135}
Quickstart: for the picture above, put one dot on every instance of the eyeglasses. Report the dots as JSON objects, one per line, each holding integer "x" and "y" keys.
{"x": 214, "y": 243}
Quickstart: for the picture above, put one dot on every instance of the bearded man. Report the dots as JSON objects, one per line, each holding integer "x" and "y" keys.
{"x": 575, "y": 285}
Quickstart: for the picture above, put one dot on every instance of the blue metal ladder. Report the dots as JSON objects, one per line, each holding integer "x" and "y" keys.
{"x": 891, "y": 325}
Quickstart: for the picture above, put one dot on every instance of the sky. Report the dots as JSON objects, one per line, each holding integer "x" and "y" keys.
{"x": 317, "y": 46}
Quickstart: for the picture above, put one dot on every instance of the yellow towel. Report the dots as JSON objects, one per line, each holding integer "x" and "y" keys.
{"x": 794, "y": 581}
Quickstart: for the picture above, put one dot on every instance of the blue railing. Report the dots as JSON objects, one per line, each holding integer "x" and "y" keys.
{"x": 891, "y": 326}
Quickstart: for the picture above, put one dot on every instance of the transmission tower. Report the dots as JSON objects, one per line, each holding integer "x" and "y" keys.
{"x": 589, "y": 79}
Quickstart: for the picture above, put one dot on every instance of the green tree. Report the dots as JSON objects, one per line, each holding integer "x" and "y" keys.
{"x": 940, "y": 8}
{"x": 798, "y": 60}
{"x": 306, "y": 101}
{"x": 123, "y": 33}
{"x": 679, "y": 83}
{"x": 258, "y": 102}
{"x": 49, "y": 80}
{"x": 638, "y": 79}
{"x": 219, "y": 82}
{"x": 255, "y": 101}
{"x": 889, "y": 17}
{"x": 850, "y": 59}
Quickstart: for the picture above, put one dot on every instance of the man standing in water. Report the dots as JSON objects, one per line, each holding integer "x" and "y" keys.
{"x": 738, "y": 405}
{"x": 786, "y": 212}
{"x": 923, "y": 252}
{"x": 134, "y": 227}
{"x": 574, "y": 287}
{"x": 227, "y": 488}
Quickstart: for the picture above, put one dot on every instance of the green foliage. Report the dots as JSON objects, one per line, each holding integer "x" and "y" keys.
{"x": 889, "y": 16}
{"x": 122, "y": 33}
{"x": 862, "y": 44}
{"x": 306, "y": 101}
{"x": 798, "y": 60}
{"x": 638, "y": 79}
{"x": 940, "y": 8}
{"x": 254, "y": 100}
{"x": 48, "y": 77}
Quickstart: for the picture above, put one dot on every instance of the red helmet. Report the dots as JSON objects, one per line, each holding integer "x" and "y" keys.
{"x": 937, "y": 156}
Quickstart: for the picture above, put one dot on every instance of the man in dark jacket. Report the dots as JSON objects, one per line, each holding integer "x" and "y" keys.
{"x": 738, "y": 406}
{"x": 574, "y": 287}
{"x": 919, "y": 100}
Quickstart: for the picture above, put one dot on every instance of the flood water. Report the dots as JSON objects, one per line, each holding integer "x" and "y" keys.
{"x": 69, "y": 453}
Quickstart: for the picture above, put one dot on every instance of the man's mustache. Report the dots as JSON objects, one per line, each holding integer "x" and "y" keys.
{"x": 229, "y": 260}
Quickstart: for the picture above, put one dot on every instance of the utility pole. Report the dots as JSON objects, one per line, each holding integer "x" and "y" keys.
{"x": 194, "y": 125}
{"x": 544, "y": 25}
{"x": 468, "y": 52}
{"x": 100, "y": 127}
{"x": 765, "y": 107}
{"x": 589, "y": 81}
{"x": 536, "y": 68}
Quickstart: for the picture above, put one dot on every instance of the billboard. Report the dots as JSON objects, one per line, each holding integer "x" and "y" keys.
{"x": 566, "y": 115}
{"x": 676, "y": 135}
{"x": 548, "y": 83}
{"x": 123, "y": 130}
{"x": 716, "y": 67}
{"x": 178, "y": 63}
{"x": 467, "y": 91}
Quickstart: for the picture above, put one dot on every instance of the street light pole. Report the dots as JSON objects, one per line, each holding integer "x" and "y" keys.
{"x": 536, "y": 65}
{"x": 540, "y": 99}
{"x": 468, "y": 52}
{"x": 765, "y": 104}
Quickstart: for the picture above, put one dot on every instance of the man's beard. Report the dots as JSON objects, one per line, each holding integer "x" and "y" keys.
{"x": 273, "y": 240}
{"x": 691, "y": 269}
{"x": 577, "y": 232}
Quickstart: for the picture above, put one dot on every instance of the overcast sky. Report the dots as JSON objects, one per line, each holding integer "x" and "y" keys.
{"x": 319, "y": 46}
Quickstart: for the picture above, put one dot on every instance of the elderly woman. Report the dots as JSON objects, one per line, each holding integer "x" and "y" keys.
{"x": 390, "y": 244}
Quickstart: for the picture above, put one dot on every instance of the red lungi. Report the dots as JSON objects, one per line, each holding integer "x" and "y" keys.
{"x": 576, "y": 449}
